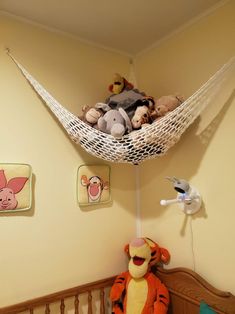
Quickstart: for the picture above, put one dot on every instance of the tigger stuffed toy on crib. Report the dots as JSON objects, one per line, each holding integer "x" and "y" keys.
{"x": 138, "y": 290}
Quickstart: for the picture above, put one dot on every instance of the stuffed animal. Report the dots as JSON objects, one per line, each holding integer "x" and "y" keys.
{"x": 115, "y": 122}
{"x": 124, "y": 95}
{"x": 91, "y": 115}
{"x": 166, "y": 104}
{"x": 119, "y": 84}
{"x": 138, "y": 290}
{"x": 143, "y": 113}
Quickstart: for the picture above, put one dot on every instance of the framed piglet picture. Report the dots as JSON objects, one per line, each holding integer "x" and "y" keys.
{"x": 15, "y": 187}
{"x": 93, "y": 184}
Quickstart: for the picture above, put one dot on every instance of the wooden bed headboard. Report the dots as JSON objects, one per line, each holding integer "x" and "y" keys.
{"x": 187, "y": 289}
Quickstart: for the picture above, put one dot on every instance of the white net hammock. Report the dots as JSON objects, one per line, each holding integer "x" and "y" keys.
{"x": 147, "y": 143}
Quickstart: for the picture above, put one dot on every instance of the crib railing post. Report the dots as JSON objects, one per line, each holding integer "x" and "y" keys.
{"x": 89, "y": 302}
{"x": 47, "y": 311}
{"x": 62, "y": 306}
{"x": 76, "y": 304}
{"x": 102, "y": 307}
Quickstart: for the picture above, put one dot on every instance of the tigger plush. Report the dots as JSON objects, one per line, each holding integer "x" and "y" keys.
{"x": 138, "y": 290}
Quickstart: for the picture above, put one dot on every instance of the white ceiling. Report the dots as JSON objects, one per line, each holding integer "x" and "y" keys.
{"x": 128, "y": 26}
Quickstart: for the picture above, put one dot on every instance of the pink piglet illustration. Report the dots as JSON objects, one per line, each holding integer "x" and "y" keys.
{"x": 9, "y": 189}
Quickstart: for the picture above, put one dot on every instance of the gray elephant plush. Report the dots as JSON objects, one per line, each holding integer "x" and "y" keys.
{"x": 115, "y": 122}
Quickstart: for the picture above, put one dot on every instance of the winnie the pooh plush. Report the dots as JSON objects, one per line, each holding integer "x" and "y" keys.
{"x": 138, "y": 290}
{"x": 119, "y": 84}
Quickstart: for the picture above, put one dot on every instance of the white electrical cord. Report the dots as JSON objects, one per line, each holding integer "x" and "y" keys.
{"x": 137, "y": 202}
{"x": 192, "y": 244}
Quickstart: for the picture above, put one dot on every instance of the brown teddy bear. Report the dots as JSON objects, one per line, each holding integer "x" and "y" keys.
{"x": 166, "y": 104}
{"x": 91, "y": 115}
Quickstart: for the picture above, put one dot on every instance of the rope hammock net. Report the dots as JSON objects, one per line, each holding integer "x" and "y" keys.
{"x": 150, "y": 142}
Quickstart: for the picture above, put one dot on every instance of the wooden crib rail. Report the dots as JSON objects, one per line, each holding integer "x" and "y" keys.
{"x": 61, "y": 296}
{"x": 187, "y": 289}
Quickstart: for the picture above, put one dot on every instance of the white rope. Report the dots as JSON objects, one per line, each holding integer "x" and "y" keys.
{"x": 149, "y": 142}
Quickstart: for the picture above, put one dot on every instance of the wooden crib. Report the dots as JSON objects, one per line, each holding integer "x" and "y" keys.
{"x": 187, "y": 289}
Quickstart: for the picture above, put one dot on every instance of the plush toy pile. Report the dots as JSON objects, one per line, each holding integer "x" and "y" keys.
{"x": 138, "y": 290}
{"x": 127, "y": 109}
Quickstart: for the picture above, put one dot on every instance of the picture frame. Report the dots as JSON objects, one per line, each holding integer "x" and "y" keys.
{"x": 15, "y": 187}
{"x": 93, "y": 184}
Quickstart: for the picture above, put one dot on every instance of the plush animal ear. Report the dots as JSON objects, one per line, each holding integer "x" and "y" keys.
{"x": 3, "y": 180}
{"x": 110, "y": 88}
{"x": 139, "y": 103}
{"x": 128, "y": 85}
{"x": 103, "y": 106}
{"x": 151, "y": 243}
{"x": 85, "y": 108}
{"x": 127, "y": 119}
{"x": 126, "y": 250}
{"x": 16, "y": 184}
{"x": 165, "y": 255}
{"x": 149, "y": 102}
{"x": 180, "y": 98}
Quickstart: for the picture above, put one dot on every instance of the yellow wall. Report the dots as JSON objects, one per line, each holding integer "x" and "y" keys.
{"x": 181, "y": 64}
{"x": 57, "y": 245}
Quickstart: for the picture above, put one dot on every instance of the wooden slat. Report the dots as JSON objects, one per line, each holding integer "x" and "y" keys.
{"x": 62, "y": 306}
{"x": 47, "y": 311}
{"x": 76, "y": 304}
{"x": 89, "y": 303}
{"x": 102, "y": 306}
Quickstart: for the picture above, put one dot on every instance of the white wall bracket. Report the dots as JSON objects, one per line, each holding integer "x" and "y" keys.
{"x": 189, "y": 201}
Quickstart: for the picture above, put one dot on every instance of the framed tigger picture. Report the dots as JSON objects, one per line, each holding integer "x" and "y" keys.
{"x": 93, "y": 184}
{"x": 15, "y": 187}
